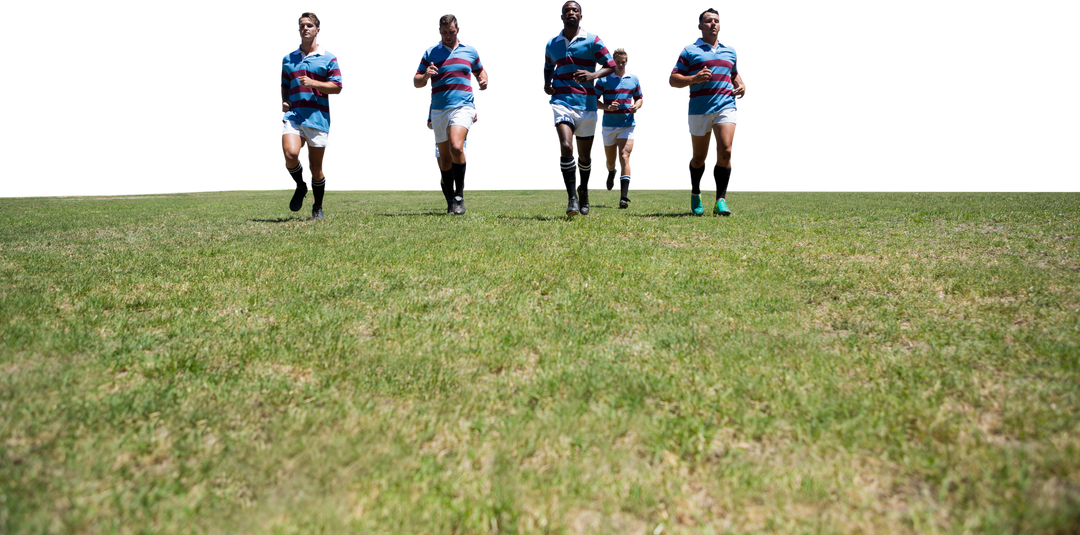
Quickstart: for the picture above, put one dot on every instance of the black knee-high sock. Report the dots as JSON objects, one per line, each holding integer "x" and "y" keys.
{"x": 624, "y": 185}
{"x": 458, "y": 171}
{"x": 569, "y": 172}
{"x": 721, "y": 181}
{"x": 697, "y": 178}
{"x": 447, "y": 185}
{"x": 295, "y": 175}
{"x": 586, "y": 170}
{"x": 319, "y": 188}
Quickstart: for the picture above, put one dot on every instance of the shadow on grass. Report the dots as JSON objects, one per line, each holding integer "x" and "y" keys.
{"x": 414, "y": 214}
{"x": 278, "y": 220}
{"x": 534, "y": 217}
{"x": 658, "y": 214}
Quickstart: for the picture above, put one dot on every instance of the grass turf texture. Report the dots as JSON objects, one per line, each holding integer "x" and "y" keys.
{"x": 818, "y": 363}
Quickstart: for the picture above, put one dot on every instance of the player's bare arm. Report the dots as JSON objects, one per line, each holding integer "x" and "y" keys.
{"x": 740, "y": 87}
{"x": 637, "y": 105}
{"x": 680, "y": 81}
{"x": 420, "y": 80}
{"x": 482, "y": 79}
{"x": 548, "y": 74}
{"x": 328, "y": 89}
{"x": 285, "y": 107}
{"x": 585, "y": 76}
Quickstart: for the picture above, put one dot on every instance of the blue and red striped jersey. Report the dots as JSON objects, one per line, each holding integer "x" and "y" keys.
{"x": 309, "y": 107}
{"x": 452, "y": 87}
{"x": 718, "y": 93}
{"x": 584, "y": 52}
{"x": 623, "y": 90}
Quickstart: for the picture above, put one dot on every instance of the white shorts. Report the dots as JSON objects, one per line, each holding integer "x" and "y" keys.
{"x": 442, "y": 120}
{"x": 702, "y": 124}
{"x": 612, "y": 134}
{"x": 434, "y": 148}
{"x": 583, "y": 123}
{"x": 317, "y": 138}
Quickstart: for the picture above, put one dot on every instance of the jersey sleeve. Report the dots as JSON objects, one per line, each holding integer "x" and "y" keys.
{"x": 282, "y": 81}
{"x": 285, "y": 78}
{"x": 637, "y": 88}
{"x": 682, "y": 66}
{"x": 477, "y": 66}
{"x": 602, "y": 56}
{"x": 738, "y": 67}
{"x": 548, "y": 64}
{"x": 333, "y": 71}
{"x": 424, "y": 62}
{"x": 601, "y": 89}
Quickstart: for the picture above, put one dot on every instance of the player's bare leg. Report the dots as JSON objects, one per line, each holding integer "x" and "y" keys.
{"x": 569, "y": 168}
{"x": 290, "y": 146}
{"x": 625, "y": 147}
{"x": 318, "y": 179}
{"x": 697, "y": 169}
{"x": 456, "y": 148}
{"x": 610, "y": 152}
{"x": 584, "y": 150}
{"x": 725, "y": 135}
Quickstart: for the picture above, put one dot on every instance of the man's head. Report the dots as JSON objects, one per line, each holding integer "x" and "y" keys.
{"x": 709, "y": 23}
{"x": 571, "y": 14}
{"x": 619, "y": 55}
{"x": 309, "y": 26}
{"x": 448, "y": 29}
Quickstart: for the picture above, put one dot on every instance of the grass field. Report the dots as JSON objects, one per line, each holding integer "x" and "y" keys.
{"x": 817, "y": 363}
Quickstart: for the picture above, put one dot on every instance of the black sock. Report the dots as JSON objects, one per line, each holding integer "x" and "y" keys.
{"x": 566, "y": 166}
{"x": 695, "y": 179}
{"x": 723, "y": 181}
{"x": 458, "y": 170}
{"x": 624, "y": 186}
{"x": 447, "y": 185}
{"x": 586, "y": 169}
{"x": 294, "y": 174}
{"x": 319, "y": 188}
{"x": 611, "y": 174}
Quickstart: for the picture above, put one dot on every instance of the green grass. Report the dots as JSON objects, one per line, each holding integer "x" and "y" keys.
{"x": 818, "y": 363}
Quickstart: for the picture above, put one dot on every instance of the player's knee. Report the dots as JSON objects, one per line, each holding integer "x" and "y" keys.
{"x": 567, "y": 147}
{"x": 697, "y": 161}
{"x": 724, "y": 156}
{"x": 457, "y": 149}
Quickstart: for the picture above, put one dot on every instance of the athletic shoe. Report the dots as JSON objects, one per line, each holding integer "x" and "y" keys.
{"x": 450, "y": 208}
{"x": 316, "y": 214}
{"x": 610, "y": 179}
{"x": 721, "y": 208}
{"x": 623, "y": 203}
{"x": 459, "y": 206}
{"x": 695, "y": 204}
{"x": 571, "y": 206}
{"x": 297, "y": 201}
{"x": 583, "y": 194}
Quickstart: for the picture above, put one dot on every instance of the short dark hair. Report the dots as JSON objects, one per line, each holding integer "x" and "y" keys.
{"x": 561, "y": 4}
{"x": 447, "y": 17}
{"x": 309, "y": 15}
{"x": 701, "y": 17}
{"x": 569, "y": 2}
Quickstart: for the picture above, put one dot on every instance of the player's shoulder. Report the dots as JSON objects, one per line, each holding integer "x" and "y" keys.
{"x": 291, "y": 56}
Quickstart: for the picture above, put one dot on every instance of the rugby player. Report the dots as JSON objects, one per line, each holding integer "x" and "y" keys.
{"x": 622, "y": 99}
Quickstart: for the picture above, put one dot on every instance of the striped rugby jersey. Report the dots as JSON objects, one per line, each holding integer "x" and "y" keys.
{"x": 309, "y": 107}
{"x": 624, "y": 90}
{"x": 452, "y": 87}
{"x": 565, "y": 58}
{"x": 716, "y": 94}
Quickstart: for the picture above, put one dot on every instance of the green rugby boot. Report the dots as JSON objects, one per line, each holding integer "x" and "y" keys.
{"x": 721, "y": 208}
{"x": 695, "y": 204}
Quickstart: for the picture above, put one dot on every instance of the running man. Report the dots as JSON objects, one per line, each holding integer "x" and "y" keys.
{"x": 709, "y": 69}
{"x": 447, "y": 192}
{"x": 622, "y": 99}
{"x": 448, "y": 65}
{"x": 309, "y": 75}
{"x": 569, "y": 64}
